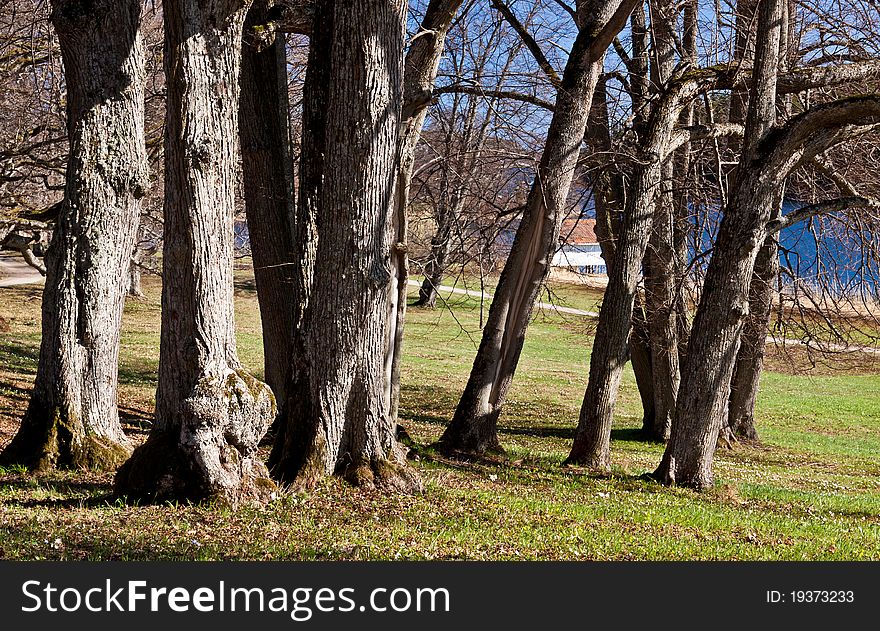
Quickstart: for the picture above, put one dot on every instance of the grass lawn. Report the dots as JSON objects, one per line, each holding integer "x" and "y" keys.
{"x": 811, "y": 490}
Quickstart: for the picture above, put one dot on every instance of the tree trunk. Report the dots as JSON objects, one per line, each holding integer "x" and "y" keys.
{"x": 660, "y": 259}
{"x": 420, "y": 72}
{"x": 441, "y": 244}
{"x": 474, "y": 425}
{"x": 342, "y": 423}
{"x": 592, "y": 442}
{"x": 750, "y": 359}
{"x": 268, "y": 193}
{"x": 592, "y": 445}
{"x": 135, "y": 290}
{"x": 715, "y": 338}
{"x": 72, "y": 419}
{"x": 660, "y": 297}
{"x": 608, "y": 186}
{"x": 210, "y": 414}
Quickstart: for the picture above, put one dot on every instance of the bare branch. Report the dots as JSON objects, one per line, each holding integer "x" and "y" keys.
{"x": 529, "y": 41}
{"x": 820, "y": 208}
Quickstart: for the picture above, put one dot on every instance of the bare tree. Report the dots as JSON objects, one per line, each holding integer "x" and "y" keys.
{"x": 210, "y": 414}
{"x": 339, "y": 413}
{"x": 770, "y": 155}
{"x": 474, "y": 425}
{"x": 72, "y": 418}
{"x": 420, "y": 72}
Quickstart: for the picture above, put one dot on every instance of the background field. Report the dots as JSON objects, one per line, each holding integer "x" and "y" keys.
{"x": 811, "y": 490}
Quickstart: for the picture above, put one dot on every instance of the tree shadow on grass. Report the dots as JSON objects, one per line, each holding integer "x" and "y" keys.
{"x": 541, "y": 431}
{"x": 139, "y": 421}
{"x": 632, "y": 435}
{"x": 20, "y": 358}
{"x": 245, "y": 286}
{"x": 77, "y": 493}
{"x": 16, "y": 391}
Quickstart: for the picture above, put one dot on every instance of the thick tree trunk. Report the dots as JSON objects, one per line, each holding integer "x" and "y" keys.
{"x": 342, "y": 423}
{"x": 268, "y": 192}
{"x": 72, "y": 419}
{"x": 210, "y": 414}
{"x": 750, "y": 359}
{"x": 420, "y": 72}
{"x": 715, "y": 338}
{"x": 474, "y": 425}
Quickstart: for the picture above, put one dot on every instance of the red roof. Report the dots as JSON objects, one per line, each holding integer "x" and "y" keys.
{"x": 578, "y": 232}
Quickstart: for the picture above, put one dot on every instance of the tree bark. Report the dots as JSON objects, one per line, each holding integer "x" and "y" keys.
{"x": 210, "y": 414}
{"x": 135, "y": 290}
{"x": 449, "y": 207}
{"x": 474, "y": 425}
{"x": 660, "y": 259}
{"x": 72, "y": 419}
{"x": 343, "y": 423}
{"x": 608, "y": 185}
{"x": 660, "y": 298}
{"x": 750, "y": 358}
{"x": 268, "y": 192}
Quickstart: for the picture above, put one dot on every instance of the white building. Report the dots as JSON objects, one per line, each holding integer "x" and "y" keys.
{"x": 579, "y": 249}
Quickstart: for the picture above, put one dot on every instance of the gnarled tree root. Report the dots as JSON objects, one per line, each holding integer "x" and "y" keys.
{"x": 208, "y": 452}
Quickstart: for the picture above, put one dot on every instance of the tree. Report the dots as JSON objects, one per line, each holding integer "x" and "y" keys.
{"x": 592, "y": 442}
{"x": 268, "y": 188}
{"x": 464, "y": 160}
{"x": 770, "y": 154}
{"x": 420, "y": 71}
{"x": 72, "y": 419}
{"x": 474, "y": 425}
{"x": 210, "y": 414}
{"x": 339, "y": 419}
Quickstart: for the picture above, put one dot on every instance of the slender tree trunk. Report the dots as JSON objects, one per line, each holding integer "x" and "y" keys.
{"x": 750, "y": 359}
{"x": 441, "y": 245}
{"x": 268, "y": 192}
{"x": 660, "y": 297}
{"x": 343, "y": 424}
{"x": 135, "y": 289}
{"x": 72, "y": 419}
{"x": 474, "y": 425}
{"x": 592, "y": 445}
{"x": 659, "y": 268}
{"x": 608, "y": 184}
{"x": 210, "y": 414}
{"x": 420, "y": 72}
{"x": 135, "y": 263}
{"x": 683, "y": 207}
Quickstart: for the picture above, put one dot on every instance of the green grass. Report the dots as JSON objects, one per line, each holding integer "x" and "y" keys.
{"x": 811, "y": 490}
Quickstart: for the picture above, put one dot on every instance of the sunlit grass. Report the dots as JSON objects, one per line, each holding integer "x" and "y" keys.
{"x": 810, "y": 491}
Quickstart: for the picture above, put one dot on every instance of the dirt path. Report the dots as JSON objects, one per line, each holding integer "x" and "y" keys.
{"x": 488, "y": 296}
{"x": 14, "y": 271}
